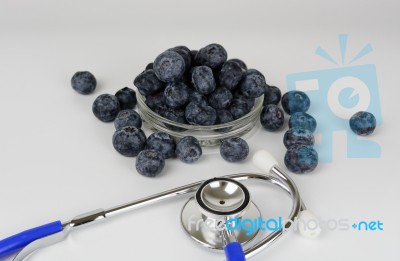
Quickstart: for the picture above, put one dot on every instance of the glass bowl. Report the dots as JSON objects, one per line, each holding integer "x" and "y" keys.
{"x": 208, "y": 136}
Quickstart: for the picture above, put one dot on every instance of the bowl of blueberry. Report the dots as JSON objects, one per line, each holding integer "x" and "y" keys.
{"x": 201, "y": 94}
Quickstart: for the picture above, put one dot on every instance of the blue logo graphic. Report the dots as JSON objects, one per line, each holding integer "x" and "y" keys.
{"x": 336, "y": 94}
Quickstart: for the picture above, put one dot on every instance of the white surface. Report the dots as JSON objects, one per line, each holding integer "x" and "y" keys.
{"x": 57, "y": 159}
{"x": 264, "y": 161}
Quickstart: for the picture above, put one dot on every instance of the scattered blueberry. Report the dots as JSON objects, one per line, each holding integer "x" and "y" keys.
{"x": 252, "y": 83}
{"x": 363, "y": 123}
{"x": 188, "y": 149}
{"x": 150, "y": 163}
{"x": 230, "y": 74}
{"x": 169, "y": 66}
{"x": 213, "y": 56}
{"x": 155, "y": 100}
{"x": 234, "y": 149}
{"x": 127, "y": 118}
{"x": 301, "y": 159}
{"x": 239, "y": 108}
{"x": 302, "y": 120}
{"x": 220, "y": 98}
{"x": 203, "y": 79}
{"x": 298, "y": 136}
{"x": 149, "y": 66}
{"x": 148, "y": 83}
{"x": 83, "y": 82}
{"x": 129, "y": 141}
{"x": 272, "y": 95}
{"x": 200, "y": 114}
{"x": 272, "y": 117}
{"x": 162, "y": 142}
{"x": 127, "y": 98}
{"x": 240, "y": 63}
{"x": 185, "y": 53}
{"x": 295, "y": 101}
{"x": 106, "y": 107}
{"x": 176, "y": 95}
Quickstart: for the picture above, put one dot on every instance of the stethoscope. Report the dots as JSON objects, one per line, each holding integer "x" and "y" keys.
{"x": 219, "y": 201}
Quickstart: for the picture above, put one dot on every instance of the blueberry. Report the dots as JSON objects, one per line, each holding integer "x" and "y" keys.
{"x": 148, "y": 83}
{"x": 175, "y": 115}
{"x": 272, "y": 117}
{"x": 169, "y": 66}
{"x": 176, "y": 95}
{"x": 155, "y": 100}
{"x": 230, "y": 74}
{"x": 213, "y": 55}
{"x": 272, "y": 95}
{"x": 234, "y": 149}
{"x": 83, "y": 82}
{"x": 295, "y": 101}
{"x": 298, "y": 136}
{"x": 239, "y": 108}
{"x": 203, "y": 79}
{"x": 200, "y": 114}
{"x": 150, "y": 163}
{"x": 301, "y": 159}
{"x": 162, "y": 142}
{"x": 224, "y": 116}
{"x": 129, "y": 141}
{"x": 252, "y": 83}
{"x": 195, "y": 96}
{"x": 127, "y": 98}
{"x": 106, "y": 107}
{"x": 193, "y": 54}
{"x": 240, "y": 63}
{"x": 239, "y": 95}
{"x": 363, "y": 123}
{"x": 220, "y": 98}
{"x": 188, "y": 149}
{"x": 302, "y": 120}
{"x": 186, "y": 55}
{"x": 149, "y": 66}
{"x": 127, "y": 118}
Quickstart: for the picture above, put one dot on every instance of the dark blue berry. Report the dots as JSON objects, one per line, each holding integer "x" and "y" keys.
{"x": 162, "y": 142}
{"x": 239, "y": 108}
{"x": 252, "y": 83}
{"x": 127, "y": 118}
{"x": 239, "y": 95}
{"x": 220, "y": 98}
{"x": 240, "y": 63}
{"x": 106, "y": 107}
{"x": 129, "y": 141}
{"x": 149, "y": 66}
{"x": 195, "y": 96}
{"x": 203, "y": 79}
{"x": 363, "y": 123}
{"x": 234, "y": 149}
{"x": 230, "y": 74}
{"x": 155, "y": 100}
{"x": 188, "y": 149}
{"x": 298, "y": 136}
{"x": 150, "y": 163}
{"x": 213, "y": 56}
{"x": 272, "y": 95}
{"x": 301, "y": 159}
{"x": 83, "y": 82}
{"x": 224, "y": 116}
{"x": 175, "y": 115}
{"x": 193, "y": 54}
{"x": 148, "y": 83}
{"x": 169, "y": 66}
{"x": 272, "y": 117}
{"x": 200, "y": 114}
{"x": 302, "y": 120}
{"x": 127, "y": 98}
{"x": 186, "y": 55}
{"x": 176, "y": 95}
{"x": 295, "y": 101}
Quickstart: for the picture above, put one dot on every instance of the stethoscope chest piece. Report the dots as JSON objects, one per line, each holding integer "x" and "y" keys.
{"x": 217, "y": 201}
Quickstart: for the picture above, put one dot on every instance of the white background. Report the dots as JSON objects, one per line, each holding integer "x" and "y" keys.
{"x": 57, "y": 160}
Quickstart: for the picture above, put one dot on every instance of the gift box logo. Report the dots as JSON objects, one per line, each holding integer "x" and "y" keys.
{"x": 336, "y": 94}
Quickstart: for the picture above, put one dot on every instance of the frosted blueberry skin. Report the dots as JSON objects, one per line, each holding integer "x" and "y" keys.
{"x": 129, "y": 141}
{"x": 149, "y": 66}
{"x": 188, "y": 149}
{"x": 127, "y": 118}
{"x": 302, "y": 120}
{"x": 203, "y": 79}
{"x": 162, "y": 142}
{"x": 148, "y": 83}
{"x": 230, "y": 75}
{"x": 240, "y": 63}
{"x": 200, "y": 114}
{"x": 301, "y": 159}
{"x": 363, "y": 123}
{"x": 150, "y": 163}
{"x": 272, "y": 95}
{"x": 220, "y": 98}
{"x": 224, "y": 116}
{"x": 234, "y": 149}
{"x": 195, "y": 96}
{"x": 176, "y": 95}
{"x": 295, "y": 101}
{"x": 175, "y": 115}
{"x": 272, "y": 117}
{"x": 213, "y": 56}
{"x": 298, "y": 136}
{"x": 106, "y": 107}
{"x": 186, "y": 55}
{"x": 239, "y": 108}
{"x": 169, "y": 66}
{"x": 127, "y": 98}
{"x": 253, "y": 83}
{"x": 155, "y": 101}
{"x": 83, "y": 82}
{"x": 239, "y": 95}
